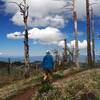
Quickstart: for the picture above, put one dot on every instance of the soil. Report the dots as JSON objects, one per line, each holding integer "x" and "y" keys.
{"x": 27, "y": 94}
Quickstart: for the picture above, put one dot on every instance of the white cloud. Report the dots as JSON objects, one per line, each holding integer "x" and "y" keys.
{"x": 17, "y": 19}
{"x": 41, "y": 12}
{"x": 15, "y": 35}
{"x": 81, "y": 8}
{"x": 61, "y": 43}
{"x": 53, "y": 21}
{"x": 47, "y": 12}
{"x": 48, "y": 35}
{"x": 82, "y": 45}
{"x": 1, "y": 53}
{"x": 37, "y": 8}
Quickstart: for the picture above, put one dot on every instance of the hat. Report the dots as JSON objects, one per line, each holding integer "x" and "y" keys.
{"x": 48, "y": 52}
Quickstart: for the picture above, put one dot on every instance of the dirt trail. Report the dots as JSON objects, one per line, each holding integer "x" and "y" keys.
{"x": 27, "y": 94}
{"x": 24, "y": 96}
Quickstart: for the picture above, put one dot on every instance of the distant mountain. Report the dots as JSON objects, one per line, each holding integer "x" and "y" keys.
{"x": 82, "y": 58}
{"x": 32, "y": 59}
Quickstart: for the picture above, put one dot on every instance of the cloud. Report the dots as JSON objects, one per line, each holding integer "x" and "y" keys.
{"x": 53, "y": 21}
{"x": 48, "y": 35}
{"x": 48, "y": 12}
{"x": 61, "y": 43}
{"x": 1, "y": 53}
{"x": 81, "y": 8}
{"x": 41, "y": 13}
{"x": 37, "y": 8}
{"x": 15, "y": 35}
{"x": 82, "y": 45}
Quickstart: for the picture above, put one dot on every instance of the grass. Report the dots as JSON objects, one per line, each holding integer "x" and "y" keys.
{"x": 82, "y": 86}
{"x": 15, "y": 75}
{"x": 58, "y": 75}
{"x": 71, "y": 88}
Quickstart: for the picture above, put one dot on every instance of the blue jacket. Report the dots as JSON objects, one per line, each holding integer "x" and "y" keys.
{"x": 48, "y": 62}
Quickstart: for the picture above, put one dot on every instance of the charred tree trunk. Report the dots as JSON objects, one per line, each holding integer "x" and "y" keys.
{"x": 9, "y": 66}
{"x": 26, "y": 51}
{"x": 89, "y": 56}
{"x": 76, "y": 36}
{"x": 93, "y": 39}
{"x": 73, "y": 50}
{"x": 26, "y": 47}
{"x": 24, "y": 12}
{"x": 65, "y": 50}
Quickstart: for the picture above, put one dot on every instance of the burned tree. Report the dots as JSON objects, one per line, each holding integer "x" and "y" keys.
{"x": 57, "y": 58}
{"x": 71, "y": 5}
{"x": 65, "y": 50}
{"x": 76, "y": 35}
{"x": 24, "y": 12}
{"x": 89, "y": 56}
{"x": 9, "y": 66}
{"x": 93, "y": 39}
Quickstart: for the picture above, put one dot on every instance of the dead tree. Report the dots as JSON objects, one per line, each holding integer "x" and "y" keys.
{"x": 93, "y": 39}
{"x": 71, "y": 7}
{"x": 71, "y": 54}
{"x": 89, "y": 56}
{"x": 57, "y": 58}
{"x": 75, "y": 35}
{"x": 24, "y": 12}
{"x": 65, "y": 50}
{"x": 9, "y": 66}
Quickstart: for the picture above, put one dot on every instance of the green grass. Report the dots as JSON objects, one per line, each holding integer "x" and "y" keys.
{"x": 71, "y": 88}
{"x": 82, "y": 85}
{"x": 58, "y": 75}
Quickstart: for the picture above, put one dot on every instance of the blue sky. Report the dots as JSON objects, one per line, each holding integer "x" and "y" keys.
{"x": 14, "y": 47}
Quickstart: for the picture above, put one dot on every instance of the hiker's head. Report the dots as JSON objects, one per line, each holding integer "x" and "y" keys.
{"x": 48, "y": 52}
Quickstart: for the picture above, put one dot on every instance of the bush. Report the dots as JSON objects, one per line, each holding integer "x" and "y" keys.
{"x": 45, "y": 87}
{"x": 82, "y": 86}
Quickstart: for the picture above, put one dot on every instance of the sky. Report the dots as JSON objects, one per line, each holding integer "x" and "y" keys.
{"x": 48, "y": 22}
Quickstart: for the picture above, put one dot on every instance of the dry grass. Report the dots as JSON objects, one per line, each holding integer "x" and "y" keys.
{"x": 82, "y": 86}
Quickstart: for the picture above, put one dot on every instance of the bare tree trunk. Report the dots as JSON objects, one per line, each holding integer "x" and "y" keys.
{"x": 24, "y": 12}
{"x": 89, "y": 56}
{"x": 9, "y": 66}
{"x": 93, "y": 40}
{"x": 26, "y": 48}
{"x": 56, "y": 59}
{"x": 65, "y": 50}
{"x": 76, "y": 36}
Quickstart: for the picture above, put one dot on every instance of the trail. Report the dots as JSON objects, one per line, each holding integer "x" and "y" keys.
{"x": 27, "y": 94}
{"x": 24, "y": 96}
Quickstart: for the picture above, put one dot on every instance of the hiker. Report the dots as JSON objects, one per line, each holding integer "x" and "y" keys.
{"x": 48, "y": 65}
